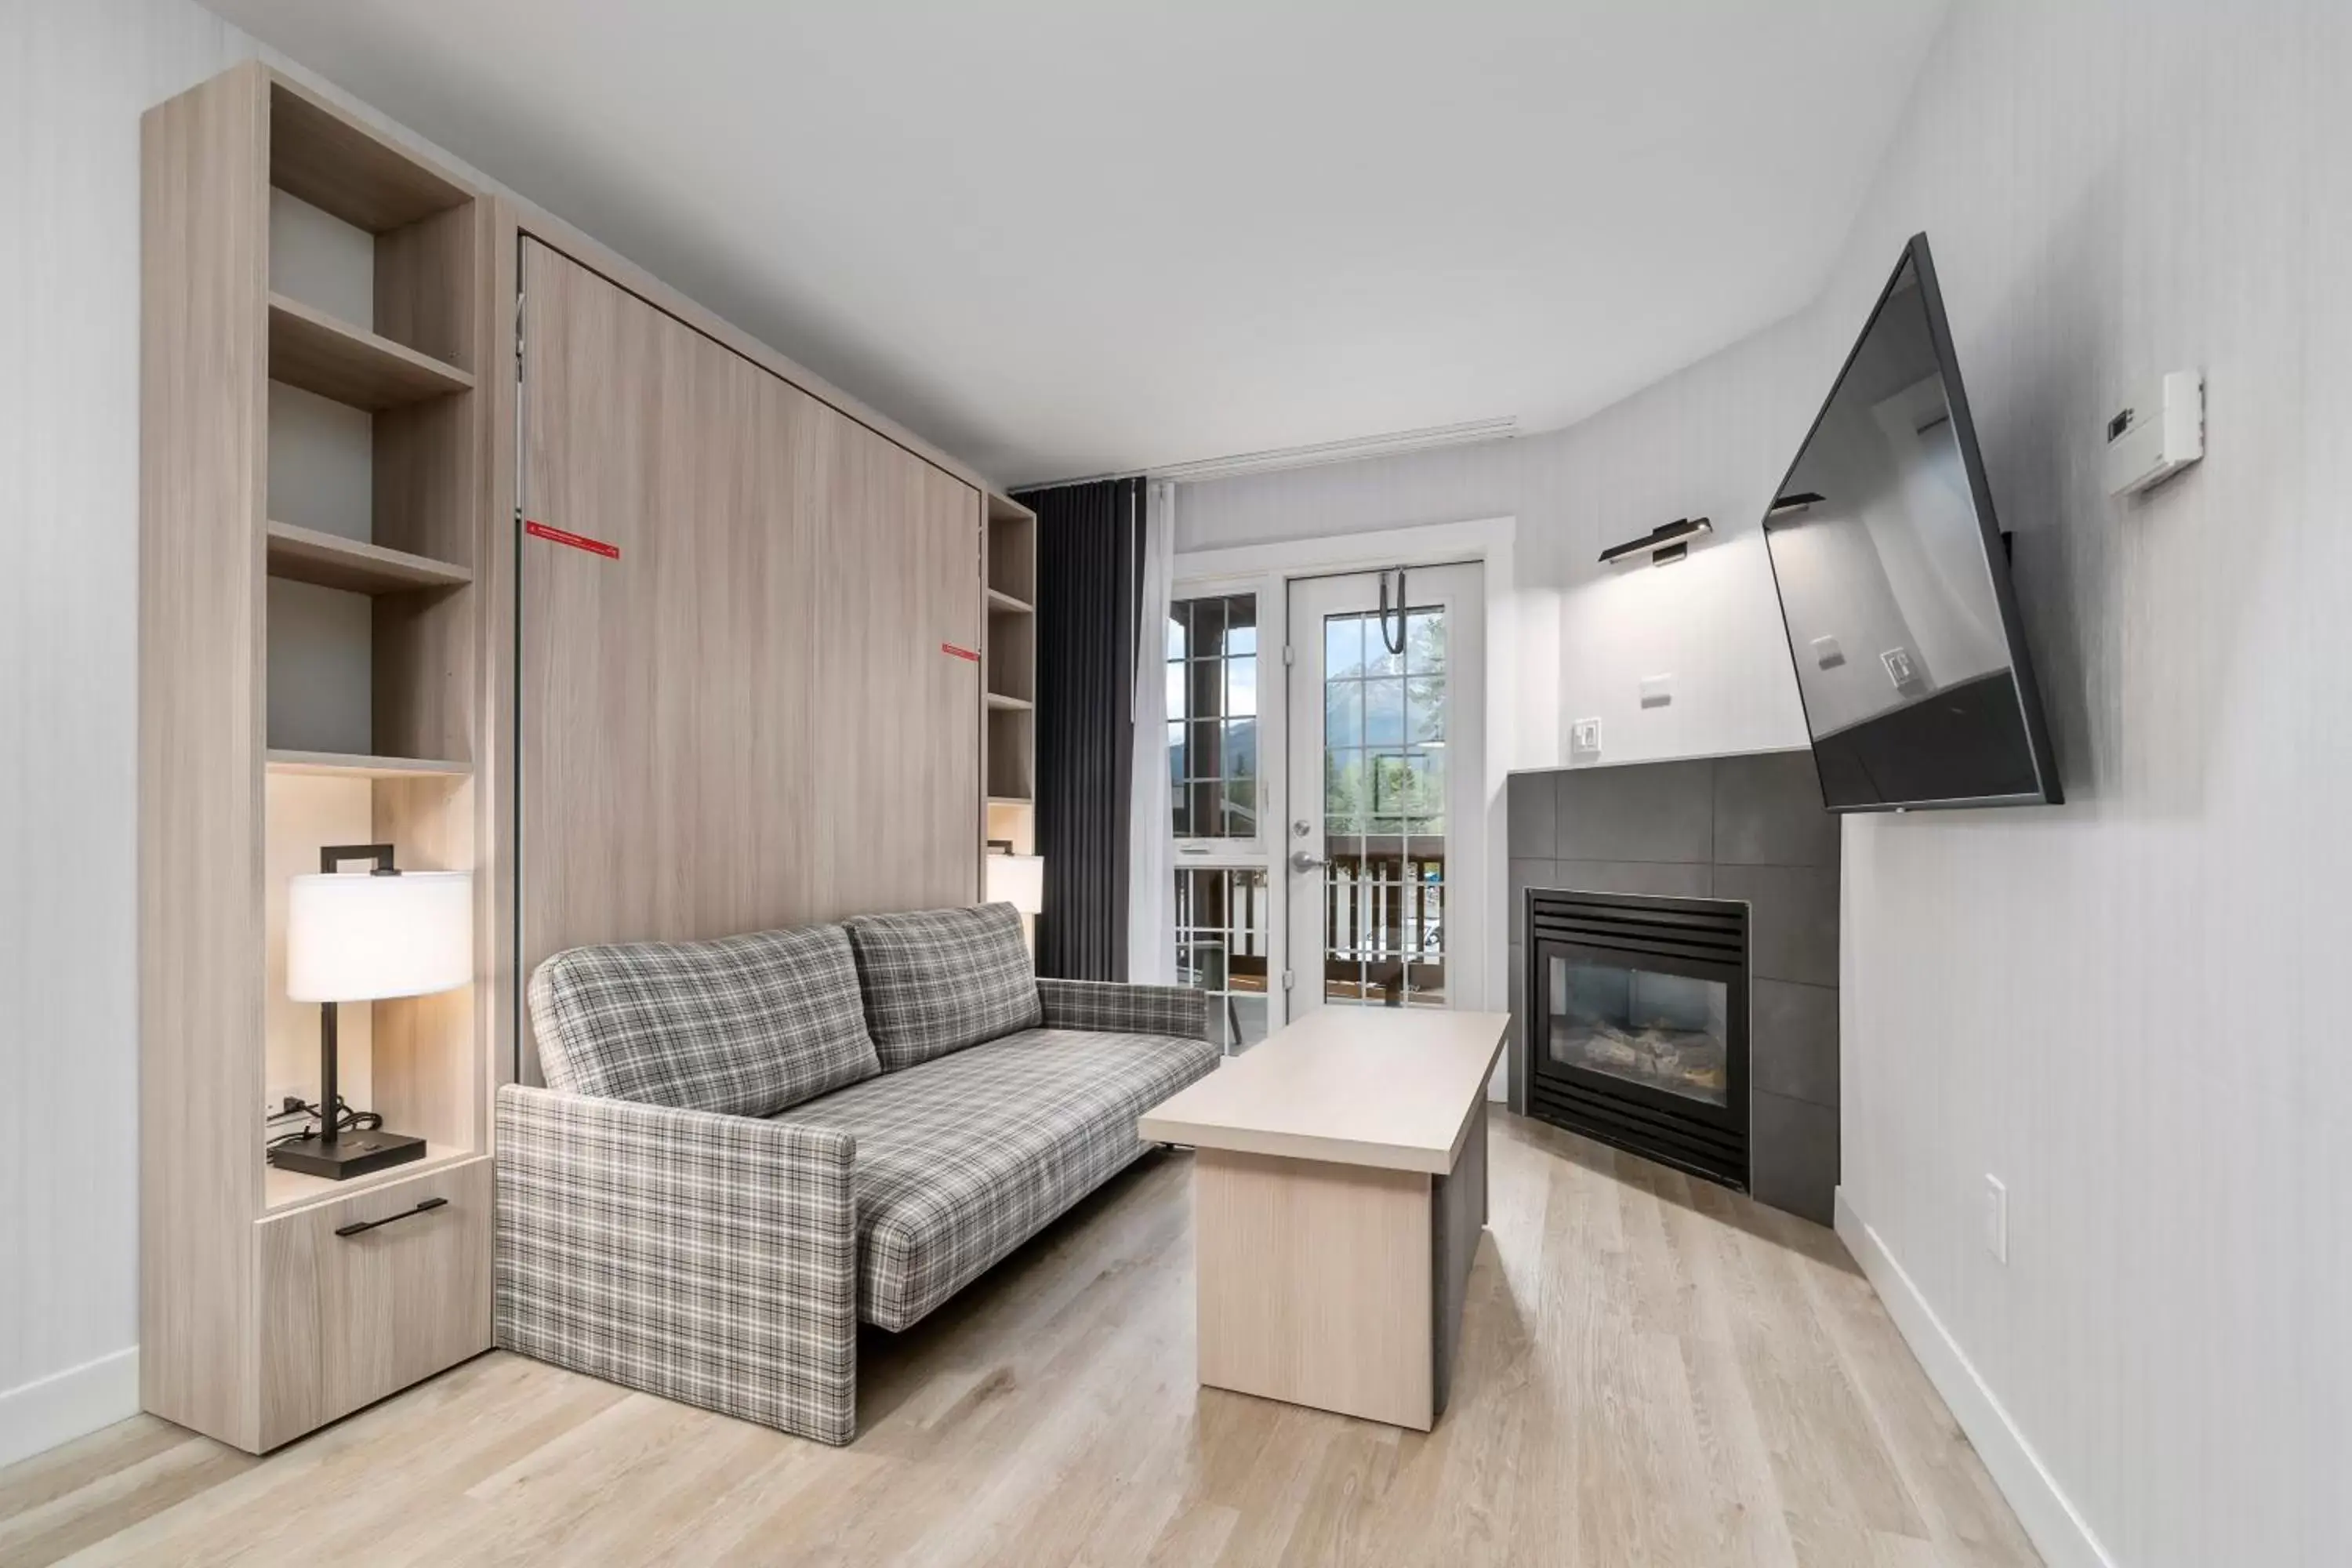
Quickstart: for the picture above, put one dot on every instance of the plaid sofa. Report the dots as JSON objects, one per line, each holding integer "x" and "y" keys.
{"x": 746, "y": 1146}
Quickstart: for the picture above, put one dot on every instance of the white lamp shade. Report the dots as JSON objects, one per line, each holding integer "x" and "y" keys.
{"x": 1018, "y": 880}
{"x": 352, "y": 937}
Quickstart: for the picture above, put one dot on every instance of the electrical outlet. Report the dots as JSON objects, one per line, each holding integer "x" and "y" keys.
{"x": 1584, "y": 735}
{"x": 1996, "y": 1219}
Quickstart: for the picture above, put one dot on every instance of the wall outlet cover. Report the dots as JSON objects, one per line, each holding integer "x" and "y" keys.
{"x": 1657, "y": 690}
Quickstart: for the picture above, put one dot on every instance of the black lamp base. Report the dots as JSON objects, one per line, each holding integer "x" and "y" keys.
{"x": 351, "y": 1154}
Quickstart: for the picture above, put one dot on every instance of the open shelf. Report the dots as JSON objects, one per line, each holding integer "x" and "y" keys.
{"x": 1001, "y": 603}
{"x": 1004, "y": 704}
{"x": 1010, "y": 800}
{"x": 341, "y": 764}
{"x": 331, "y": 561}
{"x": 311, "y": 350}
{"x": 283, "y": 1190}
{"x": 339, "y": 167}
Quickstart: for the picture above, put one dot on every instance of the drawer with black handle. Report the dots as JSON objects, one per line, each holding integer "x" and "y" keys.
{"x": 363, "y": 1296}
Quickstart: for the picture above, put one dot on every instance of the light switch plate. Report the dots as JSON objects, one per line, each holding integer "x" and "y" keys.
{"x": 1584, "y": 735}
{"x": 1899, "y": 668}
{"x": 1657, "y": 690}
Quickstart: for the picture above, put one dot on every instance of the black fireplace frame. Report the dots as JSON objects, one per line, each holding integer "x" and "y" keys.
{"x": 1702, "y": 938}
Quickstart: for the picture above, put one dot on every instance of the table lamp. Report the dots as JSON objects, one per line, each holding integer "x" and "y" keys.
{"x": 1016, "y": 879}
{"x": 363, "y": 938}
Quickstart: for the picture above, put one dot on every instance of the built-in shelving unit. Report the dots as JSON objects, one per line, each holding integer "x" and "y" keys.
{"x": 315, "y": 314}
{"x": 1009, "y": 763}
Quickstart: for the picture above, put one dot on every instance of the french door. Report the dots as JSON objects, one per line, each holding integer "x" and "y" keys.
{"x": 1381, "y": 849}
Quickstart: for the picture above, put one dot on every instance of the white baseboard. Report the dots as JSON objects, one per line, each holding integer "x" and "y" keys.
{"x": 2059, "y": 1532}
{"x": 65, "y": 1405}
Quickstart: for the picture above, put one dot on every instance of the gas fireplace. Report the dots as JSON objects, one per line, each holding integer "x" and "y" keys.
{"x": 1638, "y": 1014}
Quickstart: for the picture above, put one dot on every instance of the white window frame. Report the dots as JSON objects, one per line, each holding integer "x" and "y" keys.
{"x": 1252, "y": 851}
{"x": 1196, "y": 854}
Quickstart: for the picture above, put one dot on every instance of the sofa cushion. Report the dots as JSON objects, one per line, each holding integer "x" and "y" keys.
{"x": 746, "y": 1025}
{"x": 943, "y": 979}
{"x": 963, "y": 1159}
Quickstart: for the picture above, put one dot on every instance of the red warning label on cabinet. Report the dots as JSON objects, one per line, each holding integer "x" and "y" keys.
{"x": 577, "y": 541}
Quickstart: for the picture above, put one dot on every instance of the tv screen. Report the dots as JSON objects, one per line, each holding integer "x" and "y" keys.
{"x": 1894, "y": 581}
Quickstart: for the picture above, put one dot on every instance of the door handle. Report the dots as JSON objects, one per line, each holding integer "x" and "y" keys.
{"x": 425, "y": 1205}
{"x": 1305, "y": 860}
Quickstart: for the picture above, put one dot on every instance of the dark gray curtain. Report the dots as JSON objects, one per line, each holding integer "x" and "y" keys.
{"x": 1088, "y": 562}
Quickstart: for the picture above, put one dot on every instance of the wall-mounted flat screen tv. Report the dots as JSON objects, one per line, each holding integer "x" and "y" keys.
{"x": 1894, "y": 581}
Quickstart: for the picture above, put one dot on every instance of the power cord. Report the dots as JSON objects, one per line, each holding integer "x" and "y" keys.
{"x": 346, "y": 1120}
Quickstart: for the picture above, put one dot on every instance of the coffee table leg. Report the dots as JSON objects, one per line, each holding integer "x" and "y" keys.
{"x": 1317, "y": 1284}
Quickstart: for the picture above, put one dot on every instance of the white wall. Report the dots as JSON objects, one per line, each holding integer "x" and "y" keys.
{"x": 2129, "y": 1008}
{"x": 74, "y": 77}
{"x": 1709, "y": 445}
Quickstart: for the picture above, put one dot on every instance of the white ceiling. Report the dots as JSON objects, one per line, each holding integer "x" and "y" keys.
{"x": 1067, "y": 237}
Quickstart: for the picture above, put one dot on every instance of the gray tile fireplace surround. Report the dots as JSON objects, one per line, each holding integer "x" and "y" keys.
{"x": 1730, "y": 828}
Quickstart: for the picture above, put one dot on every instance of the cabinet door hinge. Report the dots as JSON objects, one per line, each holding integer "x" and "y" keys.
{"x": 1289, "y": 658}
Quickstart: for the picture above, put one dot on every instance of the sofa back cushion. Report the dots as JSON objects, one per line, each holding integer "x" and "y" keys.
{"x": 941, "y": 980}
{"x": 745, "y": 1025}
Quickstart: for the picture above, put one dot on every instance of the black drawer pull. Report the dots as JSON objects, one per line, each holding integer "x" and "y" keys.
{"x": 423, "y": 1204}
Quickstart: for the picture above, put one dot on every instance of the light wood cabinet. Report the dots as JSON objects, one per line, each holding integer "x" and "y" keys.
{"x": 312, "y": 671}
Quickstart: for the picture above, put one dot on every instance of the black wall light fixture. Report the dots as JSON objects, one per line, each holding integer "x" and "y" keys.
{"x": 1664, "y": 544}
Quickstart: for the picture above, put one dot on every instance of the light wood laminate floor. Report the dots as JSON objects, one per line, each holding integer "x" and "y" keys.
{"x": 1652, "y": 1371}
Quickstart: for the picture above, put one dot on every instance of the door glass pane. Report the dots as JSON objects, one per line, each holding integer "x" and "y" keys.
{"x": 1383, "y": 713}
{"x": 1343, "y": 713}
{"x": 1343, "y": 647}
{"x": 1384, "y": 811}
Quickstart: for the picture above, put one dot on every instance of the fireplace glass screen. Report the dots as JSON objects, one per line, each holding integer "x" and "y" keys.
{"x": 1667, "y": 1032}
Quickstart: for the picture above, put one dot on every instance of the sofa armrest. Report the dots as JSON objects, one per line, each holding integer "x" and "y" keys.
{"x": 707, "y": 1258}
{"x": 1120, "y": 1009}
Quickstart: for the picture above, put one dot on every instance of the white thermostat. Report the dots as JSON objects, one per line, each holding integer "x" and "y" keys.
{"x": 2161, "y": 432}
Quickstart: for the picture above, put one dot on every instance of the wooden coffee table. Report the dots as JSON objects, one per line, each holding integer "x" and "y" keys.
{"x": 1338, "y": 1190}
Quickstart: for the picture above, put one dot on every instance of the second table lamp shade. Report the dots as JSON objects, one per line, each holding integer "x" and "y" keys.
{"x": 1018, "y": 880}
